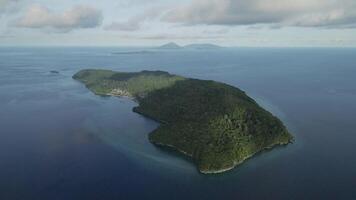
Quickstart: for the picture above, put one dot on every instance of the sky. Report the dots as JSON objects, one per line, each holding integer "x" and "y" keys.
{"x": 254, "y": 23}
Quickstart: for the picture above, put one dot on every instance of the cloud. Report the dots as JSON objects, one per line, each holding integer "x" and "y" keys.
{"x": 304, "y": 13}
{"x": 135, "y": 3}
{"x": 39, "y": 17}
{"x": 5, "y": 4}
{"x": 180, "y": 37}
{"x": 135, "y": 22}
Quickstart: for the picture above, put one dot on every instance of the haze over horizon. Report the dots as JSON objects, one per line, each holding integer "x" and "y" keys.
{"x": 255, "y": 23}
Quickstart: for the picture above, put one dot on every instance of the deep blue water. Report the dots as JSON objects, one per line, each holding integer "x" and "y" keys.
{"x": 60, "y": 141}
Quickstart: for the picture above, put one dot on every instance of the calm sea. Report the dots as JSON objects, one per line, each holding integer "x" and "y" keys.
{"x": 58, "y": 141}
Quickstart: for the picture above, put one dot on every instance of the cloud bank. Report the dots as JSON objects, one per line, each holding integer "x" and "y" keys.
{"x": 135, "y": 22}
{"x": 4, "y": 4}
{"x": 38, "y": 17}
{"x": 303, "y": 13}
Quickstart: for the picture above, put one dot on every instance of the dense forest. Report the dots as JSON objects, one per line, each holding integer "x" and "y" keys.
{"x": 218, "y": 125}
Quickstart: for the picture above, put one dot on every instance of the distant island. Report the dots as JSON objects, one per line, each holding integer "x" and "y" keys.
{"x": 170, "y": 45}
{"x": 215, "y": 124}
{"x": 54, "y": 72}
{"x": 174, "y": 46}
{"x": 202, "y": 46}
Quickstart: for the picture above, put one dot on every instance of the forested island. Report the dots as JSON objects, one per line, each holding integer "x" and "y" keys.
{"x": 216, "y": 124}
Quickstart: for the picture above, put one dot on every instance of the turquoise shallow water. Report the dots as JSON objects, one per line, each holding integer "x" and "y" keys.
{"x": 59, "y": 141}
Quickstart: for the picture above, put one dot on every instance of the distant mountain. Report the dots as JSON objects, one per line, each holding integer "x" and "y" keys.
{"x": 170, "y": 45}
{"x": 203, "y": 46}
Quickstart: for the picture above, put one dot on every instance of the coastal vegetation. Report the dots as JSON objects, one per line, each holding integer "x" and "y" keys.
{"x": 216, "y": 124}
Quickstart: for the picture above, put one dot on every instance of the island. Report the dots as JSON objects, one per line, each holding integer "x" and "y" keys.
{"x": 169, "y": 46}
{"x": 217, "y": 125}
{"x": 203, "y": 46}
{"x": 54, "y": 72}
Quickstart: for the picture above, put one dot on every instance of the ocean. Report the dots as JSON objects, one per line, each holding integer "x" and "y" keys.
{"x": 60, "y": 141}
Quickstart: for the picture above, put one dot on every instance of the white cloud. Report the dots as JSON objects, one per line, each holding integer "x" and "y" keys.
{"x": 38, "y": 16}
{"x": 305, "y": 13}
{"x": 5, "y": 4}
{"x": 135, "y": 22}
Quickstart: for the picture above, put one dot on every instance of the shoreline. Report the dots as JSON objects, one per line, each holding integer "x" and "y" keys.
{"x": 236, "y": 163}
{"x": 205, "y": 172}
